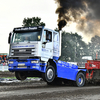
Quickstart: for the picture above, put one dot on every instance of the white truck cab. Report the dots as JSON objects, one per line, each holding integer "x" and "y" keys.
{"x": 35, "y": 42}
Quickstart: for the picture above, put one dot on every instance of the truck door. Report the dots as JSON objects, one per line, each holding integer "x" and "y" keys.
{"x": 47, "y": 45}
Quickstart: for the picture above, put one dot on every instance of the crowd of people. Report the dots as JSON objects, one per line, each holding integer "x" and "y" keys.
{"x": 3, "y": 61}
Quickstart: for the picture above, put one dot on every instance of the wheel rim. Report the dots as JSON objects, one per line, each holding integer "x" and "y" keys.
{"x": 80, "y": 80}
{"x": 50, "y": 74}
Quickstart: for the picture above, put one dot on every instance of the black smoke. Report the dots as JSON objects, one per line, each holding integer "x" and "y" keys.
{"x": 86, "y": 13}
{"x": 61, "y": 24}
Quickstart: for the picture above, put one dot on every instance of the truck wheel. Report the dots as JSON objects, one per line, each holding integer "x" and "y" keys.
{"x": 80, "y": 79}
{"x": 20, "y": 75}
{"x": 50, "y": 74}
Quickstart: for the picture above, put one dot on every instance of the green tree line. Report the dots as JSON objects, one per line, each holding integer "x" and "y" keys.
{"x": 74, "y": 48}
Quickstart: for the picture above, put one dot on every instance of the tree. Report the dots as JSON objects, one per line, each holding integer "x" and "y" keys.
{"x": 94, "y": 47}
{"x": 73, "y": 48}
{"x": 80, "y": 47}
{"x": 34, "y": 21}
{"x": 67, "y": 53}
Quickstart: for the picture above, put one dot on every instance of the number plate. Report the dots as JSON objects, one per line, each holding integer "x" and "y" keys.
{"x": 22, "y": 67}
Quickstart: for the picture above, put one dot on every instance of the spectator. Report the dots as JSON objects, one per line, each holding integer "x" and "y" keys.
{"x": 3, "y": 57}
{"x": 0, "y": 61}
{"x": 6, "y": 62}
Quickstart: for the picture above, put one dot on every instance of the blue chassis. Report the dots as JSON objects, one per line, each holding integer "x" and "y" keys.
{"x": 64, "y": 70}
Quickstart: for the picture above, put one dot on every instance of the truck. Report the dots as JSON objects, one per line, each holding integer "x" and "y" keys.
{"x": 35, "y": 52}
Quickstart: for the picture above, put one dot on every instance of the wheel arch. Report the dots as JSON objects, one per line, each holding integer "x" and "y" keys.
{"x": 84, "y": 72}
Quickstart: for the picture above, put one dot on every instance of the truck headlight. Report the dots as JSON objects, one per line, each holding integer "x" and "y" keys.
{"x": 35, "y": 61}
{"x": 10, "y": 62}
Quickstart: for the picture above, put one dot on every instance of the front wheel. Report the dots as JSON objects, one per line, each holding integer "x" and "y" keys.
{"x": 20, "y": 75}
{"x": 80, "y": 79}
{"x": 50, "y": 74}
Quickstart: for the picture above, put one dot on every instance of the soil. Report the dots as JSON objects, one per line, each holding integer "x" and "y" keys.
{"x": 39, "y": 90}
{"x": 7, "y": 74}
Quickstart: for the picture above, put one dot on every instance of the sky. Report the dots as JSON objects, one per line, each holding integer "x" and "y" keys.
{"x": 12, "y": 13}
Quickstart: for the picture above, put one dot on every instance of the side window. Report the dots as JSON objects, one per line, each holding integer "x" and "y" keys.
{"x": 49, "y": 36}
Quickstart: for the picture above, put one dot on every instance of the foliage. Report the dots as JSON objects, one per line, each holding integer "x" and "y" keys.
{"x": 73, "y": 48}
{"x": 94, "y": 47}
{"x": 34, "y": 21}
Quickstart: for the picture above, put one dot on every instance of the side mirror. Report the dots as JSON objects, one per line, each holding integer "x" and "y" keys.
{"x": 9, "y": 38}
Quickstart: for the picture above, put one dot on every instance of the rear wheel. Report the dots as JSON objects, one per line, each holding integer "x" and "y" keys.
{"x": 80, "y": 79}
{"x": 20, "y": 75}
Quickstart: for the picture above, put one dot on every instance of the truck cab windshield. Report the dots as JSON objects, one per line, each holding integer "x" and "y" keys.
{"x": 26, "y": 36}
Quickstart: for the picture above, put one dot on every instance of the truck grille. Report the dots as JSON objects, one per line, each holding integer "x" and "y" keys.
{"x": 23, "y": 52}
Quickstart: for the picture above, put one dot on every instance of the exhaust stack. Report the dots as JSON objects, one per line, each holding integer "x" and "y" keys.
{"x": 61, "y": 24}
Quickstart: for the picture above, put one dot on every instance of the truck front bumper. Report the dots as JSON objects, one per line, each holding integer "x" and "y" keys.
{"x": 26, "y": 65}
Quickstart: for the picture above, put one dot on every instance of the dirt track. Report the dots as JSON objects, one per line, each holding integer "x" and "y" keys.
{"x": 6, "y": 74}
{"x": 39, "y": 90}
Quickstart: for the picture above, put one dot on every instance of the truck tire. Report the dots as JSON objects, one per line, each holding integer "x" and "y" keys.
{"x": 50, "y": 74}
{"x": 80, "y": 79}
{"x": 20, "y": 76}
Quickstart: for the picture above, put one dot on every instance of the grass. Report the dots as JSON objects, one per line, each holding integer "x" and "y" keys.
{"x": 9, "y": 77}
